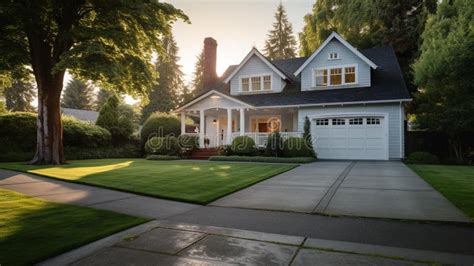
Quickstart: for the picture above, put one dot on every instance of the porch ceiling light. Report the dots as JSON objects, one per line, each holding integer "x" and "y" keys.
{"x": 215, "y": 97}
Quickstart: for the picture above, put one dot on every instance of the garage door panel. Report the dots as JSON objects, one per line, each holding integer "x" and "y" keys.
{"x": 356, "y": 141}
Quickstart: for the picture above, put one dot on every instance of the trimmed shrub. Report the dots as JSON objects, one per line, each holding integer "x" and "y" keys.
{"x": 274, "y": 145}
{"x": 18, "y": 131}
{"x": 188, "y": 142}
{"x": 263, "y": 159}
{"x": 124, "y": 151}
{"x": 84, "y": 134}
{"x": 296, "y": 147}
{"x": 243, "y": 145}
{"x": 307, "y": 135}
{"x": 162, "y": 157}
{"x": 421, "y": 157}
{"x": 160, "y": 125}
{"x": 225, "y": 150}
{"x": 162, "y": 146}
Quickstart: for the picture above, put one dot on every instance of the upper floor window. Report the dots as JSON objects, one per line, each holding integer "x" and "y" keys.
{"x": 267, "y": 82}
{"x": 256, "y": 83}
{"x": 335, "y": 76}
{"x": 333, "y": 56}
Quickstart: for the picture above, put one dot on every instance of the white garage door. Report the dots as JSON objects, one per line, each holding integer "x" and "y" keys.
{"x": 356, "y": 138}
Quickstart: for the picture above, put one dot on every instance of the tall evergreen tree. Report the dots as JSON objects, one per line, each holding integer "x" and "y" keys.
{"x": 280, "y": 43}
{"x": 102, "y": 96}
{"x": 444, "y": 73}
{"x": 164, "y": 95}
{"x": 19, "y": 96}
{"x": 117, "y": 118}
{"x": 78, "y": 95}
{"x": 366, "y": 24}
{"x": 198, "y": 82}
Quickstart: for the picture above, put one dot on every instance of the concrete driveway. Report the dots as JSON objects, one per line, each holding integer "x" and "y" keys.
{"x": 383, "y": 189}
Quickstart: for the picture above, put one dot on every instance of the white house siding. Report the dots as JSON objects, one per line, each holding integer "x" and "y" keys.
{"x": 253, "y": 67}
{"x": 395, "y": 119}
{"x": 346, "y": 57}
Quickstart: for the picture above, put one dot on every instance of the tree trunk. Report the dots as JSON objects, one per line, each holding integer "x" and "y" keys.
{"x": 49, "y": 148}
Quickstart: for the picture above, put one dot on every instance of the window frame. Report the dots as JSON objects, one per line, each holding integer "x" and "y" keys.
{"x": 343, "y": 73}
{"x": 330, "y": 57}
{"x": 251, "y": 89}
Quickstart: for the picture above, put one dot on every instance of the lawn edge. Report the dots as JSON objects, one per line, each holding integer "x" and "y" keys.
{"x": 203, "y": 203}
{"x": 433, "y": 186}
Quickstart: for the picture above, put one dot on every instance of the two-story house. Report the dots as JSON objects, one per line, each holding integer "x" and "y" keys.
{"x": 354, "y": 100}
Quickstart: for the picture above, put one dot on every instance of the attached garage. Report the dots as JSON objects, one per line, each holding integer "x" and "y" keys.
{"x": 358, "y": 137}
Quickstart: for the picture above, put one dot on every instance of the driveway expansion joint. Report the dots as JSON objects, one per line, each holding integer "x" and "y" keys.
{"x": 326, "y": 199}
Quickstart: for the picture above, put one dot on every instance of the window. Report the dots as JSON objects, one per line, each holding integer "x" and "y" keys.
{"x": 267, "y": 83}
{"x": 356, "y": 121}
{"x": 373, "y": 121}
{"x": 338, "y": 121}
{"x": 336, "y": 76}
{"x": 256, "y": 86}
{"x": 256, "y": 83}
{"x": 321, "y": 77}
{"x": 333, "y": 56}
{"x": 322, "y": 122}
{"x": 349, "y": 75}
{"x": 341, "y": 75}
{"x": 245, "y": 84}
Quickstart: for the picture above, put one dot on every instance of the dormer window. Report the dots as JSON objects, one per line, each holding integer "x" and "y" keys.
{"x": 333, "y": 56}
{"x": 256, "y": 83}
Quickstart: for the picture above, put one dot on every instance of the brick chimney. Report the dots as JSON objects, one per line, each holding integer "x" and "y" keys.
{"x": 210, "y": 51}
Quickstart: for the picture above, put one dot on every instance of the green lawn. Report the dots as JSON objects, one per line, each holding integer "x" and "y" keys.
{"x": 190, "y": 181}
{"x": 32, "y": 230}
{"x": 456, "y": 183}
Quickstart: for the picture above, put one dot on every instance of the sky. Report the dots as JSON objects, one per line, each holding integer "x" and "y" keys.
{"x": 237, "y": 25}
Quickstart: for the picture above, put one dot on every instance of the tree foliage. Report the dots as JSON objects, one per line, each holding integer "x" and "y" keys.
{"x": 366, "y": 24}
{"x": 19, "y": 96}
{"x": 168, "y": 88}
{"x": 113, "y": 118}
{"x": 78, "y": 95}
{"x": 102, "y": 96}
{"x": 444, "y": 72}
{"x": 110, "y": 42}
{"x": 280, "y": 43}
{"x": 198, "y": 75}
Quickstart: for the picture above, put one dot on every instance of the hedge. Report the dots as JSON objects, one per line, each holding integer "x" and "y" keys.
{"x": 162, "y": 146}
{"x": 263, "y": 159}
{"x": 296, "y": 147}
{"x": 422, "y": 157}
{"x": 243, "y": 145}
{"x": 162, "y": 157}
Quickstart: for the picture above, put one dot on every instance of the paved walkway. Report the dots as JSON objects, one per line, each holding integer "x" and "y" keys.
{"x": 168, "y": 243}
{"x": 452, "y": 238}
{"x": 382, "y": 189}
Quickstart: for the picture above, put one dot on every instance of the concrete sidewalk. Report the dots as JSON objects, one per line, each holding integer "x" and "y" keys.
{"x": 380, "y": 189}
{"x": 168, "y": 243}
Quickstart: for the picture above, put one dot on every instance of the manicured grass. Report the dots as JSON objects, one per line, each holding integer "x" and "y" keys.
{"x": 456, "y": 183}
{"x": 190, "y": 181}
{"x": 32, "y": 230}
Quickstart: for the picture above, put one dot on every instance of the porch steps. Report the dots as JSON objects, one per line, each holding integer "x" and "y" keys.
{"x": 203, "y": 154}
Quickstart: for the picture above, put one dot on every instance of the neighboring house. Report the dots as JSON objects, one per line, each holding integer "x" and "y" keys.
{"x": 354, "y": 100}
{"x": 85, "y": 115}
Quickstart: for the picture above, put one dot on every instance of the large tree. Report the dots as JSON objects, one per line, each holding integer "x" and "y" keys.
{"x": 19, "y": 96}
{"x": 164, "y": 95}
{"x": 444, "y": 73}
{"x": 280, "y": 43}
{"x": 366, "y": 24}
{"x": 198, "y": 81}
{"x": 110, "y": 42}
{"x": 78, "y": 95}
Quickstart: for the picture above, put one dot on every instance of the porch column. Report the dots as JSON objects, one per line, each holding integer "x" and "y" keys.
{"x": 183, "y": 123}
{"x": 202, "y": 121}
{"x": 229, "y": 126}
{"x": 242, "y": 121}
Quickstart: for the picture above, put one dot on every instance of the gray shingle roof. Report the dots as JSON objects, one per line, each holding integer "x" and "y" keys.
{"x": 387, "y": 83}
{"x": 85, "y": 115}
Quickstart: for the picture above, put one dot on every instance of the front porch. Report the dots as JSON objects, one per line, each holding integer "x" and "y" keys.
{"x": 220, "y": 118}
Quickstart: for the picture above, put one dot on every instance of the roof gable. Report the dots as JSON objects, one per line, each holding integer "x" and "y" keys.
{"x": 217, "y": 95}
{"x": 345, "y": 43}
{"x": 255, "y": 52}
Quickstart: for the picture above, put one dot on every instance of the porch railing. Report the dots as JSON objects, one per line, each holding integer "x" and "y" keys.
{"x": 260, "y": 138}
